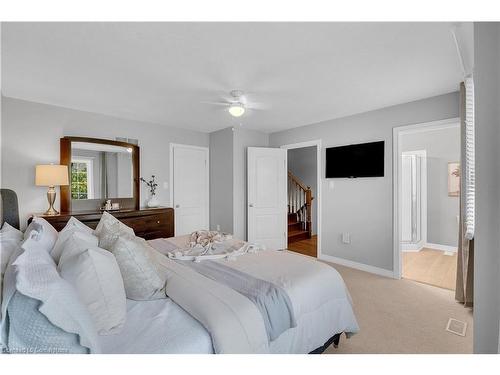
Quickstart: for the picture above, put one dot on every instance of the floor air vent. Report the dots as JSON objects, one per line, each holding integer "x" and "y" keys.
{"x": 457, "y": 327}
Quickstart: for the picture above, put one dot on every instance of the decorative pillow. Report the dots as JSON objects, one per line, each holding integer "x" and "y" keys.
{"x": 140, "y": 276}
{"x": 109, "y": 229}
{"x": 34, "y": 274}
{"x": 43, "y": 232}
{"x": 73, "y": 226}
{"x": 98, "y": 282}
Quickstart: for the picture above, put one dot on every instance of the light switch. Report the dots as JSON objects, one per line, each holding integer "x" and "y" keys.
{"x": 346, "y": 238}
{"x": 165, "y": 185}
{"x": 331, "y": 184}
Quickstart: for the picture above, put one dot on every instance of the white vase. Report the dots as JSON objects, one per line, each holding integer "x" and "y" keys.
{"x": 153, "y": 201}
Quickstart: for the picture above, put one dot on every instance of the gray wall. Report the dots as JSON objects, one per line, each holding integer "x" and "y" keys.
{"x": 442, "y": 146}
{"x": 302, "y": 163}
{"x": 242, "y": 139}
{"x": 221, "y": 180}
{"x": 363, "y": 206}
{"x": 487, "y": 233}
{"x": 30, "y": 136}
{"x": 228, "y": 177}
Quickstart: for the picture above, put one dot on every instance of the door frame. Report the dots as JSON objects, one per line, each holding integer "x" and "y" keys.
{"x": 171, "y": 178}
{"x": 317, "y": 143}
{"x": 397, "y": 133}
{"x": 423, "y": 201}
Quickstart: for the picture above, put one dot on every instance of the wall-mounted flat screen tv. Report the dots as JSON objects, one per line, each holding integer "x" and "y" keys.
{"x": 360, "y": 160}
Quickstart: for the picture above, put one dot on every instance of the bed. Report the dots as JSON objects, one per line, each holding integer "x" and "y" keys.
{"x": 203, "y": 316}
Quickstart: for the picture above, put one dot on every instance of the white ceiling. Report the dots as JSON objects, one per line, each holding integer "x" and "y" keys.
{"x": 164, "y": 72}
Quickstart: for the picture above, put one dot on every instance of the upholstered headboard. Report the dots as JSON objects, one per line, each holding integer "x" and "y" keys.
{"x": 9, "y": 208}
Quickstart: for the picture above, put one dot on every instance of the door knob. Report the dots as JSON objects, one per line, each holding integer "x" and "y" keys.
{"x": 250, "y": 205}
{"x": 177, "y": 206}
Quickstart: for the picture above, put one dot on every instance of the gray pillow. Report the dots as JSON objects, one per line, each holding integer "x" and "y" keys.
{"x": 141, "y": 278}
{"x": 29, "y": 331}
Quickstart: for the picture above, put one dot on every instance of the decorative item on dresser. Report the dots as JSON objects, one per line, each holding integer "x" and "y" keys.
{"x": 148, "y": 223}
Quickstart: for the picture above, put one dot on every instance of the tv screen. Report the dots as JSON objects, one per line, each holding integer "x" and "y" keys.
{"x": 361, "y": 160}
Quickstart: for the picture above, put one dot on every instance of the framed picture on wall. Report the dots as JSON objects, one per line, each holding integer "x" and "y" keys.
{"x": 453, "y": 179}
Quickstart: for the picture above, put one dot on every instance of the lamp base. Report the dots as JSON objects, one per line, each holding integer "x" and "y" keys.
{"x": 51, "y": 197}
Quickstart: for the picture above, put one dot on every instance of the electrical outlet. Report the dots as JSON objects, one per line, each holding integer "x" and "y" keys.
{"x": 218, "y": 228}
{"x": 346, "y": 238}
{"x": 331, "y": 184}
{"x": 165, "y": 185}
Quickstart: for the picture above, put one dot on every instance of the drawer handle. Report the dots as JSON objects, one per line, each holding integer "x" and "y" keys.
{"x": 158, "y": 222}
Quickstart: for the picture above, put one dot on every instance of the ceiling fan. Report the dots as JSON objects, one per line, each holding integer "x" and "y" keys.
{"x": 237, "y": 103}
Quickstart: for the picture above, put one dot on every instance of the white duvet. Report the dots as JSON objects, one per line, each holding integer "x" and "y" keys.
{"x": 235, "y": 324}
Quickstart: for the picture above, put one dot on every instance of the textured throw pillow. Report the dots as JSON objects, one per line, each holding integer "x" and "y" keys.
{"x": 41, "y": 230}
{"x": 140, "y": 276}
{"x": 73, "y": 226}
{"x": 96, "y": 277}
{"x": 109, "y": 229}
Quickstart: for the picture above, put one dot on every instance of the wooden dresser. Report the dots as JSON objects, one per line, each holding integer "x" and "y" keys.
{"x": 148, "y": 223}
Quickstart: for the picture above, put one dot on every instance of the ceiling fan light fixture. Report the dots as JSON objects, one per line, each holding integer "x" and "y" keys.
{"x": 236, "y": 109}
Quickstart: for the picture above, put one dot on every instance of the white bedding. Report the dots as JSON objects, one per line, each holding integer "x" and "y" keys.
{"x": 321, "y": 302}
{"x": 162, "y": 327}
{"x": 155, "y": 327}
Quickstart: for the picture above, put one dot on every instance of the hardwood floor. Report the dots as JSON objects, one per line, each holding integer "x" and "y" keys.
{"x": 306, "y": 247}
{"x": 432, "y": 267}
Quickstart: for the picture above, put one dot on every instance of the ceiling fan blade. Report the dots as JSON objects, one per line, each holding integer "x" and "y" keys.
{"x": 258, "y": 106}
{"x": 225, "y": 104}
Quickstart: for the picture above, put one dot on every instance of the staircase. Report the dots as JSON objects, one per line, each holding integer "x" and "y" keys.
{"x": 299, "y": 209}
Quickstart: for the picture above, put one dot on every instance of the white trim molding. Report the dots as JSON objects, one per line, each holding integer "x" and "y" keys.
{"x": 357, "y": 266}
{"x": 317, "y": 143}
{"x": 436, "y": 246}
{"x": 397, "y": 132}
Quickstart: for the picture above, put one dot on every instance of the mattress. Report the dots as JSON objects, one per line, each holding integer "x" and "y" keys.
{"x": 155, "y": 327}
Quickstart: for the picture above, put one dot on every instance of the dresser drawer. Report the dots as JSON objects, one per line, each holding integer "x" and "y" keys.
{"x": 148, "y": 223}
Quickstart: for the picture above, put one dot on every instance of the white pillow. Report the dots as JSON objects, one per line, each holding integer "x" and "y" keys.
{"x": 76, "y": 242}
{"x": 8, "y": 232}
{"x": 140, "y": 276}
{"x": 109, "y": 229}
{"x": 43, "y": 232}
{"x": 72, "y": 226}
{"x": 98, "y": 282}
{"x": 10, "y": 241}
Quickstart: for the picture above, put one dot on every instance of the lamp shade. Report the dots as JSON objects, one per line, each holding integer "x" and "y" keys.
{"x": 51, "y": 175}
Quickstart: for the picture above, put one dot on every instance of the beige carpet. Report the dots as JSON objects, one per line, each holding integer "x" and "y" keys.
{"x": 431, "y": 267}
{"x": 402, "y": 316}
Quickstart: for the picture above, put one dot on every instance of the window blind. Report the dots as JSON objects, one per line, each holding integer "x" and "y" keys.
{"x": 469, "y": 170}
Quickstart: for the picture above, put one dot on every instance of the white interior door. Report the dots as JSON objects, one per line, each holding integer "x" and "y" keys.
{"x": 189, "y": 188}
{"x": 267, "y": 205}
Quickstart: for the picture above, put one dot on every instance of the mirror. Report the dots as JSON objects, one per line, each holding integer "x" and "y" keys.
{"x": 100, "y": 171}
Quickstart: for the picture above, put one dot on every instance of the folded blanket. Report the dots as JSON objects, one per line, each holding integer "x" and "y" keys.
{"x": 272, "y": 301}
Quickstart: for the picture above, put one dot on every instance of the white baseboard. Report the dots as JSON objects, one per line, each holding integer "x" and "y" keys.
{"x": 411, "y": 247}
{"x": 358, "y": 266}
{"x": 436, "y": 246}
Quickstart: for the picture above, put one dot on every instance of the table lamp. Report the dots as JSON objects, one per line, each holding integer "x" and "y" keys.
{"x": 51, "y": 176}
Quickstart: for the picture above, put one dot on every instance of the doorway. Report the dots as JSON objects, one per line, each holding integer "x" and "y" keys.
{"x": 303, "y": 197}
{"x": 427, "y": 202}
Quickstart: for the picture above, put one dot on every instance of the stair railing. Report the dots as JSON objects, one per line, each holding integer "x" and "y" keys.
{"x": 299, "y": 202}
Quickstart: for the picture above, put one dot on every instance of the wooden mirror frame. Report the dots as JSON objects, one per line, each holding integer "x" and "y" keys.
{"x": 65, "y": 159}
